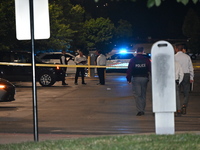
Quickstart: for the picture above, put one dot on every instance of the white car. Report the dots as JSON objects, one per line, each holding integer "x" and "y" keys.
{"x": 120, "y": 61}
{"x": 54, "y": 58}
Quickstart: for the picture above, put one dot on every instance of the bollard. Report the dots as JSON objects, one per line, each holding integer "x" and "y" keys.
{"x": 163, "y": 87}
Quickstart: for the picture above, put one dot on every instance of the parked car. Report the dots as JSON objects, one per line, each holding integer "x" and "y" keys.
{"x": 192, "y": 56}
{"x": 46, "y": 76}
{"x": 7, "y": 91}
{"x": 54, "y": 58}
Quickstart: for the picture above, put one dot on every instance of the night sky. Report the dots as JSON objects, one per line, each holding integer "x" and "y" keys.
{"x": 164, "y": 21}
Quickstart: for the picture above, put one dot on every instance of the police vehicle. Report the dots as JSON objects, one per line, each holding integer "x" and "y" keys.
{"x": 120, "y": 61}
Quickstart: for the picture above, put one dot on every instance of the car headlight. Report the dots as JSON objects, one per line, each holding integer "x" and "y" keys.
{"x": 2, "y": 86}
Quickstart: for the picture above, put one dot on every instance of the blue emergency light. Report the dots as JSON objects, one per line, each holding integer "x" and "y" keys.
{"x": 123, "y": 51}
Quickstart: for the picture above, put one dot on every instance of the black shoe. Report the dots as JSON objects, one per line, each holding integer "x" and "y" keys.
{"x": 178, "y": 113}
{"x": 84, "y": 83}
{"x": 140, "y": 113}
{"x": 100, "y": 84}
{"x": 76, "y": 83}
{"x": 64, "y": 84}
{"x": 183, "y": 109}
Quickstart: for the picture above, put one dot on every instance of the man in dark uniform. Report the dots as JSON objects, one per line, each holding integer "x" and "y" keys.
{"x": 63, "y": 61}
{"x": 138, "y": 72}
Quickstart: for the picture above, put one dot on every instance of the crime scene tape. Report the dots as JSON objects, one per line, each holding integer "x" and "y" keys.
{"x": 60, "y": 65}
{"x": 195, "y": 65}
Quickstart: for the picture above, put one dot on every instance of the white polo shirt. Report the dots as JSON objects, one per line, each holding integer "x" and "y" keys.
{"x": 186, "y": 64}
{"x": 101, "y": 60}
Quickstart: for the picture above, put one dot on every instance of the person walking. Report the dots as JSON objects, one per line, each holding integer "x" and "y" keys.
{"x": 101, "y": 61}
{"x": 138, "y": 72}
{"x": 80, "y": 60}
{"x": 185, "y": 61}
{"x": 178, "y": 78}
{"x": 64, "y": 61}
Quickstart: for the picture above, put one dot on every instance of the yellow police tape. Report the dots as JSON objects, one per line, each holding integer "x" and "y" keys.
{"x": 195, "y": 65}
{"x": 59, "y": 65}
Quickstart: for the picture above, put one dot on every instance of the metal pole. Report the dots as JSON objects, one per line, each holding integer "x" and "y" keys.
{"x": 35, "y": 113}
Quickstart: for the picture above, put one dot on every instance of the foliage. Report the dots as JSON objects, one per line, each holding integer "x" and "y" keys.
{"x": 151, "y": 3}
{"x": 77, "y": 17}
{"x": 7, "y": 25}
{"x": 98, "y": 31}
{"x": 191, "y": 29}
{"x": 123, "y": 142}
{"x": 61, "y": 33}
{"x": 123, "y": 31}
{"x": 66, "y": 21}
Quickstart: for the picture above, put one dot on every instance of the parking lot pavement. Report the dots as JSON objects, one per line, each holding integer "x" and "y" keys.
{"x": 86, "y": 110}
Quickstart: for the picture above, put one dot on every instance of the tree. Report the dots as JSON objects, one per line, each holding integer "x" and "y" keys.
{"x": 67, "y": 24}
{"x": 7, "y": 25}
{"x": 191, "y": 25}
{"x": 123, "y": 32}
{"x": 191, "y": 29}
{"x": 78, "y": 17}
{"x": 151, "y": 3}
{"x": 61, "y": 32}
{"x": 98, "y": 32}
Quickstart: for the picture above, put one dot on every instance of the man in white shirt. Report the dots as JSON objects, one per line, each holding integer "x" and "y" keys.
{"x": 80, "y": 60}
{"x": 186, "y": 64}
{"x": 179, "y": 78}
{"x": 101, "y": 61}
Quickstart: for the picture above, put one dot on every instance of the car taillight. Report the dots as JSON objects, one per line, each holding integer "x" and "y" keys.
{"x": 57, "y": 67}
{"x": 2, "y": 86}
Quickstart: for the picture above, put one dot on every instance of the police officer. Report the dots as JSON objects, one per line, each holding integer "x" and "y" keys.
{"x": 138, "y": 72}
{"x": 64, "y": 61}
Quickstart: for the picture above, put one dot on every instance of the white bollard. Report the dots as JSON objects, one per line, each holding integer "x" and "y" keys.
{"x": 163, "y": 87}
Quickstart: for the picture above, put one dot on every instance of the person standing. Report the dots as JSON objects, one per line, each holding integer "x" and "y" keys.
{"x": 80, "y": 60}
{"x": 138, "y": 72}
{"x": 185, "y": 61}
{"x": 101, "y": 61}
{"x": 64, "y": 61}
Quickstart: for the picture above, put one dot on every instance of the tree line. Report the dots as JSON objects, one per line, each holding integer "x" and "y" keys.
{"x": 72, "y": 27}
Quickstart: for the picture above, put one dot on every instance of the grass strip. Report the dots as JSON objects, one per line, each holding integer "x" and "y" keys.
{"x": 121, "y": 142}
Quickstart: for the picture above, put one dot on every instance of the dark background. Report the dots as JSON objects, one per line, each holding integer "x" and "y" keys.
{"x": 164, "y": 21}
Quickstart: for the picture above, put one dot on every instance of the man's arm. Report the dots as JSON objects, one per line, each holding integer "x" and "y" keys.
{"x": 191, "y": 70}
{"x": 129, "y": 71}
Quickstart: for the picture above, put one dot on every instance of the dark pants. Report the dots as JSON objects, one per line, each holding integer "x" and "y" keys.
{"x": 78, "y": 71}
{"x": 139, "y": 86}
{"x": 100, "y": 72}
{"x": 178, "y": 105}
{"x": 185, "y": 84}
{"x": 64, "y": 72}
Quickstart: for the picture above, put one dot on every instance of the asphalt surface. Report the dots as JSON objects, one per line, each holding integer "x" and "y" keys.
{"x": 86, "y": 110}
